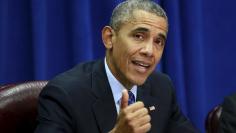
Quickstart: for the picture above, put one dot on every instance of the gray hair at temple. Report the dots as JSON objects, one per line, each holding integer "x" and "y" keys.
{"x": 124, "y": 11}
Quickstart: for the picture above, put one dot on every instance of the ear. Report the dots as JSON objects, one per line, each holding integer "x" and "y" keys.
{"x": 107, "y": 35}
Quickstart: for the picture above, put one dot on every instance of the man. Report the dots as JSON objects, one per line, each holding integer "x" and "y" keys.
{"x": 119, "y": 94}
{"x": 228, "y": 115}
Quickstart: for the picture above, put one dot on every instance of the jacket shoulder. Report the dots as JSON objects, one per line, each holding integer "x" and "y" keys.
{"x": 159, "y": 78}
{"x": 160, "y": 83}
{"x": 79, "y": 76}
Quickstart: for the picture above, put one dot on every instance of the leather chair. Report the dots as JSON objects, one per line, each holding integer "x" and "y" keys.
{"x": 18, "y": 107}
{"x": 212, "y": 120}
{"x": 6, "y": 86}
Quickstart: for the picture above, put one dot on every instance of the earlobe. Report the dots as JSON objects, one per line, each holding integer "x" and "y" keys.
{"x": 107, "y": 34}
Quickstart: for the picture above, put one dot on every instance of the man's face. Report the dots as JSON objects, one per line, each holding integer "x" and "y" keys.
{"x": 137, "y": 48}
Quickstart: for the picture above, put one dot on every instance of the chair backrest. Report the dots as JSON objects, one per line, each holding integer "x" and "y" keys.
{"x": 6, "y": 86}
{"x": 18, "y": 107}
{"x": 212, "y": 120}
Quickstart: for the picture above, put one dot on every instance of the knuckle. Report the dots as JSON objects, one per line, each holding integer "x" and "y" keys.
{"x": 149, "y": 118}
{"x": 145, "y": 110}
{"x": 149, "y": 125}
{"x": 145, "y": 128}
{"x": 131, "y": 125}
{"x": 141, "y": 104}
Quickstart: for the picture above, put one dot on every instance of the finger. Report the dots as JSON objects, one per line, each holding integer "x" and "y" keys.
{"x": 142, "y": 120}
{"x": 124, "y": 99}
{"x": 139, "y": 113}
{"x": 135, "y": 106}
{"x": 144, "y": 128}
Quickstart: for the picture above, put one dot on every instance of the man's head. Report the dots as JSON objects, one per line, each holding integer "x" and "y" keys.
{"x": 135, "y": 40}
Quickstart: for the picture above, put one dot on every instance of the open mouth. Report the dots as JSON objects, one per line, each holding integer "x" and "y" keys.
{"x": 141, "y": 65}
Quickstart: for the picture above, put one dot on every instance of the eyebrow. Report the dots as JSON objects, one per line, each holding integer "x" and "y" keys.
{"x": 141, "y": 29}
{"x": 162, "y": 36}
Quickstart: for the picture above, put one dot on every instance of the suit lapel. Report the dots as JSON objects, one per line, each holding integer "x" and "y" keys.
{"x": 104, "y": 107}
{"x": 144, "y": 94}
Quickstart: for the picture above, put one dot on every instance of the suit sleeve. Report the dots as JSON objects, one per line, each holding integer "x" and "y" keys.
{"x": 178, "y": 123}
{"x": 54, "y": 111}
{"x": 228, "y": 115}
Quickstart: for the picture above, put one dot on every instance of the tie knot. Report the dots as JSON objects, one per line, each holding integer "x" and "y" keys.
{"x": 131, "y": 98}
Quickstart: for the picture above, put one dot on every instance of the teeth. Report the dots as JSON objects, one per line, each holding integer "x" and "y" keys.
{"x": 141, "y": 64}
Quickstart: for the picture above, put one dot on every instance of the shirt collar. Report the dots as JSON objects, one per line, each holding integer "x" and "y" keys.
{"x": 116, "y": 86}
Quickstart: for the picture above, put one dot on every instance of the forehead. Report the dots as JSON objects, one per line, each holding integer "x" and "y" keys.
{"x": 148, "y": 20}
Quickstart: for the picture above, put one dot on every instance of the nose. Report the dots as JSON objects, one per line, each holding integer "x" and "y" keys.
{"x": 147, "y": 49}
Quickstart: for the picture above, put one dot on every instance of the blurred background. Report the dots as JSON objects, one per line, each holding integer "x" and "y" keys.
{"x": 42, "y": 38}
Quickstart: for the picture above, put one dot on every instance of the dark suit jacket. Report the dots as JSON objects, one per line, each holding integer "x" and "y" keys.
{"x": 228, "y": 115}
{"x": 81, "y": 101}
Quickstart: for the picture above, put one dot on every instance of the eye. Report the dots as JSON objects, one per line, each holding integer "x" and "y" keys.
{"x": 138, "y": 36}
{"x": 159, "y": 42}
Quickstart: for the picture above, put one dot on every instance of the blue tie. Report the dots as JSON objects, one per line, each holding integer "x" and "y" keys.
{"x": 131, "y": 98}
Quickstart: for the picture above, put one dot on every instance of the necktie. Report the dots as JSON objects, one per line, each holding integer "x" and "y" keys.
{"x": 131, "y": 98}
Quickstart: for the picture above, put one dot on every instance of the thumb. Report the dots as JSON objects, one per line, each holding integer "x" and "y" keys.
{"x": 124, "y": 99}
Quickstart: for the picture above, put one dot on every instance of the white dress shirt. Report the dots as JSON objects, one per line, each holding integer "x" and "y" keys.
{"x": 117, "y": 87}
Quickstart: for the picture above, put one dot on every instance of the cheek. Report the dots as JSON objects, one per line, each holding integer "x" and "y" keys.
{"x": 124, "y": 50}
{"x": 120, "y": 55}
{"x": 158, "y": 55}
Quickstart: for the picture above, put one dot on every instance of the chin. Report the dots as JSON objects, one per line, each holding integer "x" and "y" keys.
{"x": 139, "y": 81}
